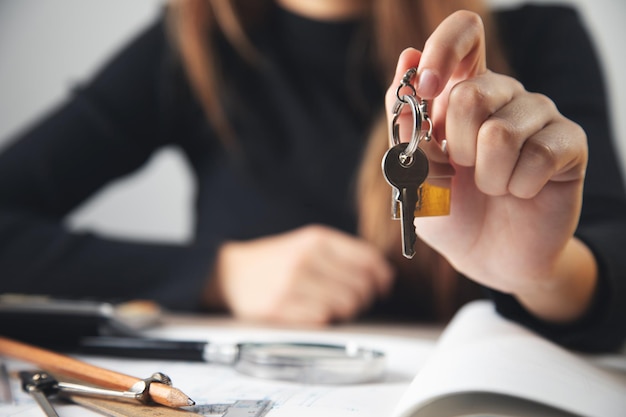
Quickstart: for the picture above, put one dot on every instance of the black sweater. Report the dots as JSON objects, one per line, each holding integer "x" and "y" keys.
{"x": 301, "y": 119}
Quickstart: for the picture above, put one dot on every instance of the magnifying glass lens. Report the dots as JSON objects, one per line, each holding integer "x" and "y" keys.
{"x": 310, "y": 363}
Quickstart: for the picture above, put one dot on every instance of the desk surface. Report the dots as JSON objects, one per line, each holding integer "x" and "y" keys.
{"x": 407, "y": 346}
{"x": 423, "y": 331}
{"x": 410, "y": 350}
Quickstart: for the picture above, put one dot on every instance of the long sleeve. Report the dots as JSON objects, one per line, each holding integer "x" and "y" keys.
{"x": 557, "y": 58}
{"x": 107, "y": 129}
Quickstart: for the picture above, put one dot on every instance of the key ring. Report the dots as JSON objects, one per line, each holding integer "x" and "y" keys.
{"x": 419, "y": 109}
{"x": 407, "y": 81}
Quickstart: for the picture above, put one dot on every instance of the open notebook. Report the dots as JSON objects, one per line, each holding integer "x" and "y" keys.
{"x": 484, "y": 365}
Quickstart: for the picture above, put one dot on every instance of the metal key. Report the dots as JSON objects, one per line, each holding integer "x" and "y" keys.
{"x": 406, "y": 174}
{"x": 39, "y": 385}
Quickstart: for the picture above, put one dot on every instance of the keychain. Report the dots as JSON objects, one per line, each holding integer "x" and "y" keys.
{"x": 406, "y": 168}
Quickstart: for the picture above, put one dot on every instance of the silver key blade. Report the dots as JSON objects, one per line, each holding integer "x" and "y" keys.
{"x": 408, "y": 202}
{"x": 406, "y": 175}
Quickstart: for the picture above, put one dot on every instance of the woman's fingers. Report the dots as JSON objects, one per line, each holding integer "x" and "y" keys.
{"x": 504, "y": 136}
{"x": 455, "y": 49}
{"x": 516, "y": 140}
{"x": 337, "y": 272}
{"x": 349, "y": 273}
{"x": 408, "y": 58}
{"x": 470, "y": 105}
{"x": 556, "y": 153}
{"x": 362, "y": 265}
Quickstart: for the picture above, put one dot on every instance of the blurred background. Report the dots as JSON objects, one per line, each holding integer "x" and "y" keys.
{"x": 49, "y": 46}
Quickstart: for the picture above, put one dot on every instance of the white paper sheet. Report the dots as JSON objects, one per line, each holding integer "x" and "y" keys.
{"x": 209, "y": 384}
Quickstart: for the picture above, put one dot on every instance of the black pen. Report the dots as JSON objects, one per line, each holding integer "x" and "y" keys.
{"x": 289, "y": 361}
{"x": 144, "y": 348}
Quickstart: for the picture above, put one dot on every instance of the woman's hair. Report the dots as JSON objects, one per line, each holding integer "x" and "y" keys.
{"x": 395, "y": 25}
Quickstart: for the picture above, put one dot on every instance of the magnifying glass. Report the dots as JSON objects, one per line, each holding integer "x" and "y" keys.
{"x": 310, "y": 363}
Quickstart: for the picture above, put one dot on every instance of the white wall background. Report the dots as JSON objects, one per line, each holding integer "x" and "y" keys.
{"x": 47, "y": 46}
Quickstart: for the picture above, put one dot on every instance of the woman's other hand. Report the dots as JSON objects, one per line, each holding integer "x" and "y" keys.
{"x": 312, "y": 275}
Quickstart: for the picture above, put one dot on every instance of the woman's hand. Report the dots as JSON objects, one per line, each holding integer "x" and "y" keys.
{"x": 312, "y": 275}
{"x": 520, "y": 166}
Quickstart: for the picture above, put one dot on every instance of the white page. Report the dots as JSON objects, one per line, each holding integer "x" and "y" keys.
{"x": 482, "y": 352}
{"x": 222, "y": 384}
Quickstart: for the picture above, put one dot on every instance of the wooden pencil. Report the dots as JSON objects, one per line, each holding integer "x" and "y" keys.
{"x": 60, "y": 364}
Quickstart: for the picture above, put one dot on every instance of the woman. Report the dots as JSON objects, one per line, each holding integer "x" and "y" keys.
{"x": 293, "y": 92}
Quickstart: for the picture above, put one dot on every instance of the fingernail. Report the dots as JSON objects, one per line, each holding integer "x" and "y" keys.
{"x": 428, "y": 84}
